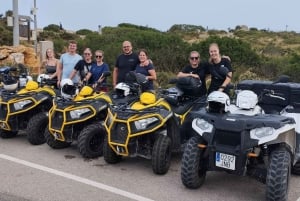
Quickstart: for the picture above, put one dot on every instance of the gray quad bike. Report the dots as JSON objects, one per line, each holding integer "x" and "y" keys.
{"x": 264, "y": 145}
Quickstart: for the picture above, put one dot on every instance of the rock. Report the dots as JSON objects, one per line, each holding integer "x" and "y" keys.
{"x": 10, "y": 55}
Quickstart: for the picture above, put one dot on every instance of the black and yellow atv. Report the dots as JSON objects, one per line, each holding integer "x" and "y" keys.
{"x": 150, "y": 127}
{"x": 80, "y": 118}
{"x": 25, "y": 109}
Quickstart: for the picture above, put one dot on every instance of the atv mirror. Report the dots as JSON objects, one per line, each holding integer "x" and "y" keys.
{"x": 5, "y": 70}
{"x": 106, "y": 74}
{"x": 282, "y": 79}
{"x": 130, "y": 77}
{"x": 224, "y": 71}
{"x": 173, "y": 81}
{"x": 140, "y": 78}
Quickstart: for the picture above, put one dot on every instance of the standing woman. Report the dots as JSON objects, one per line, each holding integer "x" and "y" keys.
{"x": 98, "y": 68}
{"x": 50, "y": 64}
{"x": 146, "y": 68}
{"x": 220, "y": 70}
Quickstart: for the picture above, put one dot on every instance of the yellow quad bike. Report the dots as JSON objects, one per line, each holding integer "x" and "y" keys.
{"x": 78, "y": 116}
{"x": 149, "y": 128}
{"x": 25, "y": 109}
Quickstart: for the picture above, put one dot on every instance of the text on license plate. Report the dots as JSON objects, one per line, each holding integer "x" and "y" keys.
{"x": 225, "y": 161}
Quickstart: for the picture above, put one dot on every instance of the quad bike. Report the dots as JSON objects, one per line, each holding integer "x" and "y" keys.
{"x": 279, "y": 97}
{"x": 24, "y": 108}
{"x": 77, "y": 115}
{"x": 242, "y": 143}
{"x": 149, "y": 127}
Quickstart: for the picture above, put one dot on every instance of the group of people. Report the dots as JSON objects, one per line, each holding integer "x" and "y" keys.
{"x": 73, "y": 66}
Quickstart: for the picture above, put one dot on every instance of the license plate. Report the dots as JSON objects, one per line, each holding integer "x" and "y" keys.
{"x": 225, "y": 161}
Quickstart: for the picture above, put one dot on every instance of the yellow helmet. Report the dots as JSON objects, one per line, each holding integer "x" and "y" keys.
{"x": 31, "y": 85}
{"x": 147, "y": 98}
{"x": 86, "y": 91}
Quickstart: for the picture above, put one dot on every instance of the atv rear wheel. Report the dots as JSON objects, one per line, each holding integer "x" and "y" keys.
{"x": 109, "y": 155}
{"x": 8, "y": 134}
{"x": 193, "y": 170}
{"x": 278, "y": 175}
{"x": 55, "y": 144}
{"x": 36, "y": 128}
{"x": 90, "y": 140}
{"x": 161, "y": 154}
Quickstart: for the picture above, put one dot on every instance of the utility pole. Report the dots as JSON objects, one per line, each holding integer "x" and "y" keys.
{"x": 16, "y": 31}
{"x": 33, "y": 12}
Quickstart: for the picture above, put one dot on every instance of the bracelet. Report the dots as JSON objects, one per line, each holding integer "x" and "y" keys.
{"x": 222, "y": 87}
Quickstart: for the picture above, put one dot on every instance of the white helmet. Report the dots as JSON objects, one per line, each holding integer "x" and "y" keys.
{"x": 10, "y": 84}
{"x": 41, "y": 77}
{"x": 246, "y": 99}
{"x": 218, "y": 102}
{"x": 68, "y": 90}
{"x": 122, "y": 89}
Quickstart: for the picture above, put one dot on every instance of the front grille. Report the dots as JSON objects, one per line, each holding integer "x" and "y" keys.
{"x": 119, "y": 133}
{"x": 57, "y": 120}
{"x": 3, "y": 113}
{"x": 229, "y": 138}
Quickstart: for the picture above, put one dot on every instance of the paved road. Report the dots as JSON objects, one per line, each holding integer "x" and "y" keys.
{"x": 39, "y": 173}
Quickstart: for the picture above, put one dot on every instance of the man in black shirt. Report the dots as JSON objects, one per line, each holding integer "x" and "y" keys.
{"x": 197, "y": 70}
{"x": 126, "y": 62}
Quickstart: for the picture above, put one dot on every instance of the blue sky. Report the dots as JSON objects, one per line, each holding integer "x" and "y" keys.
{"x": 162, "y": 14}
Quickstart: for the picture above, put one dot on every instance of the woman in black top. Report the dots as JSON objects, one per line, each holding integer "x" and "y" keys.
{"x": 220, "y": 70}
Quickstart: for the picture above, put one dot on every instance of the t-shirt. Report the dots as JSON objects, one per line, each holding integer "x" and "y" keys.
{"x": 97, "y": 72}
{"x": 83, "y": 68}
{"x": 217, "y": 75}
{"x": 125, "y": 64}
{"x": 68, "y": 62}
{"x": 145, "y": 71}
{"x": 202, "y": 70}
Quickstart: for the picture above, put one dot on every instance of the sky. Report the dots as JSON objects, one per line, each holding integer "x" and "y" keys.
{"x": 273, "y": 15}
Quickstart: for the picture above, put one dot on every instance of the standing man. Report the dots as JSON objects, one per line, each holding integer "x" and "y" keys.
{"x": 67, "y": 62}
{"x": 125, "y": 63}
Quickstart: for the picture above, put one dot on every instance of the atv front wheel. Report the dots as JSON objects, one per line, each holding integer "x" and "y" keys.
{"x": 90, "y": 140}
{"x": 109, "y": 155}
{"x": 161, "y": 154}
{"x": 36, "y": 128}
{"x": 8, "y": 134}
{"x": 278, "y": 175}
{"x": 55, "y": 144}
{"x": 193, "y": 170}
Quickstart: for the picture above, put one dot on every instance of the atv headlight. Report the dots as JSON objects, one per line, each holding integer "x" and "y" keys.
{"x": 201, "y": 126}
{"x": 262, "y": 132}
{"x": 76, "y": 114}
{"x": 143, "y": 123}
{"x": 20, "y": 105}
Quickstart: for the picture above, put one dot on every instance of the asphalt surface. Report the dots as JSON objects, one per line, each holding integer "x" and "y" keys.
{"x": 40, "y": 173}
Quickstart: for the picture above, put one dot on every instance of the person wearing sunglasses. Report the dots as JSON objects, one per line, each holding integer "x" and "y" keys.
{"x": 196, "y": 69}
{"x": 67, "y": 62}
{"x": 220, "y": 70}
{"x": 83, "y": 66}
{"x": 98, "y": 68}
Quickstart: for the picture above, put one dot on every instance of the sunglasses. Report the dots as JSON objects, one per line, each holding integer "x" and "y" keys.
{"x": 194, "y": 58}
{"x": 87, "y": 53}
{"x": 98, "y": 56}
